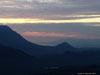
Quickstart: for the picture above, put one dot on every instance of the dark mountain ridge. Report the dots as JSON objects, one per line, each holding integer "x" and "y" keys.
{"x": 10, "y": 38}
{"x": 65, "y": 46}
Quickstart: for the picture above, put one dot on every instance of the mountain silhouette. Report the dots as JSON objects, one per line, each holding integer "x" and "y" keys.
{"x": 9, "y": 37}
{"x": 65, "y": 45}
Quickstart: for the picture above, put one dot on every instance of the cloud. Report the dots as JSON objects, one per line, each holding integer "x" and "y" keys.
{"x": 50, "y": 9}
{"x": 86, "y": 29}
{"x": 60, "y": 35}
{"x": 48, "y": 34}
{"x": 94, "y": 24}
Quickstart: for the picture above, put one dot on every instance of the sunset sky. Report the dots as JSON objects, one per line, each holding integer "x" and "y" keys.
{"x": 50, "y": 22}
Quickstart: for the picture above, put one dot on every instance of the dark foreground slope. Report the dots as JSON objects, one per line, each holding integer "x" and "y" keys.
{"x": 73, "y": 70}
{"x": 72, "y": 63}
{"x": 14, "y": 61}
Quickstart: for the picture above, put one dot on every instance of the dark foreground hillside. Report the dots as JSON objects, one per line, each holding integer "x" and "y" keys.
{"x": 73, "y": 70}
{"x": 13, "y": 61}
{"x": 16, "y": 62}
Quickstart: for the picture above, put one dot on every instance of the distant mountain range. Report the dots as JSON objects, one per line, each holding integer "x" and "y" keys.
{"x": 10, "y": 38}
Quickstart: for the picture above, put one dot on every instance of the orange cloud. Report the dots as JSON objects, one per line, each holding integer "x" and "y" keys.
{"x": 48, "y": 34}
{"x": 61, "y": 35}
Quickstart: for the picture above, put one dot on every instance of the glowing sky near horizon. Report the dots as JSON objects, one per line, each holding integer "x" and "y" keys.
{"x": 13, "y": 21}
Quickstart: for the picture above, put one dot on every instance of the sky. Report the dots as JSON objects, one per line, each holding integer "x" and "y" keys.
{"x": 49, "y": 22}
